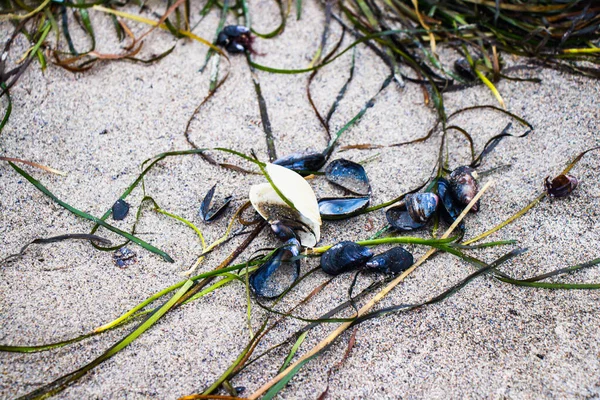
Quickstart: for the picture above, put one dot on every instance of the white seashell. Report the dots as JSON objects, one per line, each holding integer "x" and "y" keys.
{"x": 295, "y": 188}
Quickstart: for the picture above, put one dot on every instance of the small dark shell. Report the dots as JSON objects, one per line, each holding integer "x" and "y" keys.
{"x": 464, "y": 69}
{"x": 222, "y": 39}
{"x": 393, "y": 261}
{"x": 234, "y": 47}
{"x": 421, "y": 206}
{"x": 124, "y": 257}
{"x": 279, "y": 272}
{"x": 349, "y": 175}
{"x": 464, "y": 186}
{"x": 235, "y": 30}
{"x": 120, "y": 210}
{"x": 561, "y": 186}
{"x": 450, "y": 209}
{"x": 282, "y": 231}
{"x": 399, "y": 218}
{"x": 208, "y": 214}
{"x": 302, "y": 162}
{"x": 343, "y": 257}
{"x": 341, "y": 207}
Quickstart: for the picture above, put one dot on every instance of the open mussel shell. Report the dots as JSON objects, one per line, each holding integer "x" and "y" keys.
{"x": 399, "y": 218}
{"x": 464, "y": 186}
{"x": 341, "y": 207}
{"x": 349, "y": 175}
{"x": 344, "y": 256}
{"x": 393, "y": 261}
{"x": 414, "y": 212}
{"x": 303, "y": 163}
{"x": 450, "y": 209}
{"x": 208, "y": 214}
{"x": 279, "y": 272}
{"x": 561, "y": 186}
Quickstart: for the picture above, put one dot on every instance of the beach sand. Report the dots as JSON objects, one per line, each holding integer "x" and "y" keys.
{"x": 491, "y": 340}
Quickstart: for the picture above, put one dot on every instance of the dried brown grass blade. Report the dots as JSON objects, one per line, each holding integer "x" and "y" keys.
{"x": 33, "y": 164}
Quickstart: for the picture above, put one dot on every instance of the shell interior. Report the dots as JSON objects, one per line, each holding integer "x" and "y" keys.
{"x": 349, "y": 175}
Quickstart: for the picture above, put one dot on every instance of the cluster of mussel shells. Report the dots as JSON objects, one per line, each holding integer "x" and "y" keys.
{"x": 299, "y": 226}
{"x": 453, "y": 194}
{"x": 346, "y": 256}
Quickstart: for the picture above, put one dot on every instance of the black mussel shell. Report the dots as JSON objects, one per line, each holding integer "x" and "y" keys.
{"x": 282, "y": 231}
{"x": 421, "y": 206}
{"x": 464, "y": 69}
{"x": 464, "y": 186}
{"x": 235, "y": 30}
{"x": 302, "y": 162}
{"x": 450, "y": 209}
{"x": 279, "y": 272}
{"x": 349, "y": 175}
{"x": 561, "y": 186}
{"x": 393, "y": 261}
{"x": 208, "y": 214}
{"x": 234, "y": 47}
{"x": 399, "y": 218}
{"x": 343, "y": 257}
{"x": 235, "y": 38}
{"x": 120, "y": 210}
{"x": 341, "y": 207}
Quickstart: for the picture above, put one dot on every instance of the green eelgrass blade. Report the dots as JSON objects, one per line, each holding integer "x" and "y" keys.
{"x": 279, "y": 29}
{"x": 444, "y": 295}
{"x": 329, "y": 149}
{"x": 484, "y": 245}
{"x": 63, "y": 382}
{"x": 549, "y": 285}
{"x": 293, "y": 351}
{"x": 89, "y": 217}
{"x": 534, "y": 281}
{"x": 393, "y": 240}
{"x": 87, "y": 25}
{"x": 562, "y": 271}
{"x": 49, "y": 346}
{"x": 210, "y": 51}
{"x": 264, "y": 115}
{"x": 281, "y": 384}
{"x": 38, "y": 44}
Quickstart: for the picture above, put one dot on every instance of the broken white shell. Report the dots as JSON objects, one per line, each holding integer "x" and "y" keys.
{"x": 295, "y": 188}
